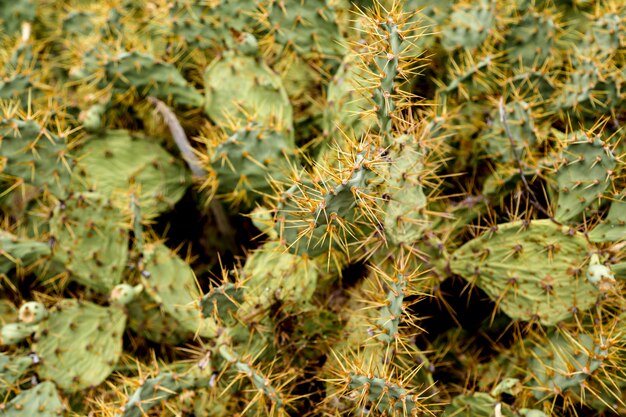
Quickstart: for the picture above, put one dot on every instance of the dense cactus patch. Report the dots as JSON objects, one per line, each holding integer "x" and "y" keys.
{"x": 218, "y": 208}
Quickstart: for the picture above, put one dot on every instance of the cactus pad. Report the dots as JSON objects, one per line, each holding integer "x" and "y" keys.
{"x": 531, "y": 272}
{"x": 584, "y": 174}
{"x": 240, "y": 87}
{"x": 91, "y": 240}
{"x": 115, "y": 161}
{"x": 40, "y": 401}
{"x": 79, "y": 344}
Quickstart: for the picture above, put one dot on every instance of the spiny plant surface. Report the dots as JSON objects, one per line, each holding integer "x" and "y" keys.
{"x": 312, "y": 208}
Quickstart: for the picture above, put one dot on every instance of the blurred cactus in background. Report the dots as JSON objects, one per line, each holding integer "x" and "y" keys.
{"x": 312, "y": 208}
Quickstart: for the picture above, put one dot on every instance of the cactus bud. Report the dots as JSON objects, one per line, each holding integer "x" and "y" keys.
{"x": 32, "y": 312}
{"x": 123, "y": 294}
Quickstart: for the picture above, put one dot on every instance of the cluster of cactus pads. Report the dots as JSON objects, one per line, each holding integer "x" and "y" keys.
{"x": 312, "y": 208}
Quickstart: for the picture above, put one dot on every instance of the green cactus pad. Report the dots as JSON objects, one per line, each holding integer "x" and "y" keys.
{"x": 222, "y": 301}
{"x": 250, "y": 161}
{"x": 12, "y": 369}
{"x": 16, "y": 88}
{"x": 79, "y": 23}
{"x": 33, "y": 154}
{"x": 239, "y": 87}
{"x": 271, "y": 274}
{"x": 309, "y": 27}
{"x": 91, "y": 240}
{"x": 204, "y": 25}
{"x": 79, "y": 344}
{"x": 531, "y": 39}
{"x": 613, "y": 226}
{"x": 157, "y": 389}
{"x": 149, "y": 77}
{"x": 14, "y": 13}
{"x": 469, "y": 25}
{"x": 313, "y": 220}
{"x": 404, "y": 217}
{"x": 521, "y": 124}
{"x": 476, "y": 405}
{"x": 15, "y": 252}
{"x": 258, "y": 380}
{"x": 564, "y": 362}
{"x": 40, "y": 401}
{"x": 115, "y": 161}
{"x": 389, "y": 398}
{"x": 585, "y": 172}
{"x": 171, "y": 285}
{"x": 347, "y": 101}
{"x": 531, "y": 272}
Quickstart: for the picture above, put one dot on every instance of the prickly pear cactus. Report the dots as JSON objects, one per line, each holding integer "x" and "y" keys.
{"x": 116, "y": 161}
{"x": 250, "y": 162}
{"x": 613, "y": 226}
{"x": 79, "y": 344}
{"x": 20, "y": 253}
{"x": 240, "y": 88}
{"x": 323, "y": 208}
{"x": 531, "y": 271}
{"x": 12, "y": 370}
{"x": 14, "y": 14}
{"x": 143, "y": 75}
{"x": 41, "y": 401}
{"x": 585, "y": 172}
{"x": 33, "y": 155}
{"x": 565, "y": 362}
{"x": 91, "y": 239}
{"x": 171, "y": 297}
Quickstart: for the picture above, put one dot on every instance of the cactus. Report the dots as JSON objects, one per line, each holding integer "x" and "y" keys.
{"x": 170, "y": 286}
{"x": 203, "y": 26}
{"x": 387, "y": 397}
{"x": 41, "y": 401}
{"x": 222, "y": 301}
{"x": 611, "y": 228}
{"x": 159, "y": 388}
{"x": 564, "y": 363}
{"x": 250, "y": 162}
{"x": 522, "y": 128}
{"x": 240, "y": 88}
{"x": 20, "y": 253}
{"x": 32, "y": 312}
{"x": 32, "y": 155}
{"x": 12, "y": 370}
{"x": 588, "y": 155}
{"x": 308, "y": 27}
{"x": 116, "y": 160}
{"x": 405, "y": 219}
{"x": 532, "y": 272}
{"x": 143, "y": 75}
{"x": 407, "y": 207}
{"x": 478, "y": 404}
{"x": 533, "y": 29}
{"x": 469, "y": 25}
{"x": 91, "y": 240}
{"x": 79, "y": 344}
{"x": 13, "y": 14}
